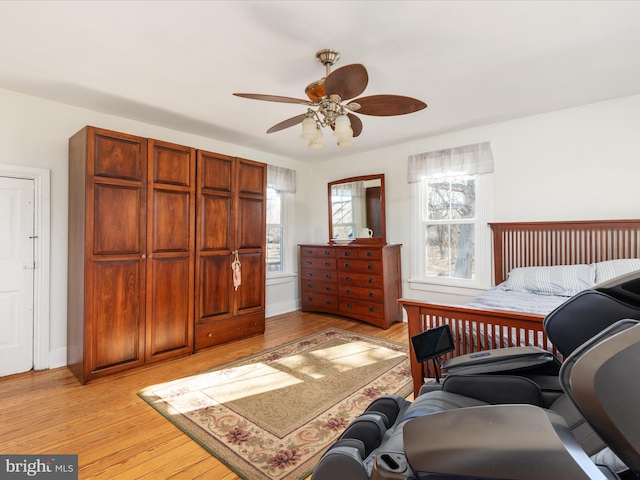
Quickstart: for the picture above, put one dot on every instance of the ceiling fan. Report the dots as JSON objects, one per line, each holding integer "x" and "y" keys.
{"x": 327, "y": 106}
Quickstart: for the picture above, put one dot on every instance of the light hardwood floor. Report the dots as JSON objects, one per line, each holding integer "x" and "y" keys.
{"x": 115, "y": 434}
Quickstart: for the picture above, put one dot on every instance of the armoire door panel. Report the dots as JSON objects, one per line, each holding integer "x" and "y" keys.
{"x": 215, "y": 172}
{"x": 118, "y": 219}
{"x": 250, "y": 294}
{"x": 251, "y": 223}
{"x": 171, "y": 219}
{"x": 215, "y": 222}
{"x": 117, "y": 314}
{"x": 169, "y": 307}
{"x": 215, "y": 287}
{"x": 119, "y": 156}
{"x": 251, "y": 177}
{"x": 171, "y": 163}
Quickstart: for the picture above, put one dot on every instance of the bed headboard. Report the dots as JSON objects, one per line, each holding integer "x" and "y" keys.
{"x": 534, "y": 244}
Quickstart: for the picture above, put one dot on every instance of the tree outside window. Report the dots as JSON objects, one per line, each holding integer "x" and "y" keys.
{"x": 449, "y": 218}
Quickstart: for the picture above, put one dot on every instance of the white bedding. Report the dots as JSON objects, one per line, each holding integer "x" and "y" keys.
{"x": 501, "y": 298}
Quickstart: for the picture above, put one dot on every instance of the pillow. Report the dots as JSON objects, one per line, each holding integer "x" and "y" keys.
{"x": 560, "y": 280}
{"x": 605, "y": 271}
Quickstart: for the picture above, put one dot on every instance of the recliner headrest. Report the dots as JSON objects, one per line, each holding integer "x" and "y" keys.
{"x": 583, "y": 316}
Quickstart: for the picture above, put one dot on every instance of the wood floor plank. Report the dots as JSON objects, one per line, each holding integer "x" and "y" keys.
{"x": 117, "y": 435}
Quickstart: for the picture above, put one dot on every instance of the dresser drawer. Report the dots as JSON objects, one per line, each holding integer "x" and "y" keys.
{"x": 361, "y": 293}
{"x": 373, "y": 267}
{"x": 371, "y": 253}
{"x": 324, "y": 252}
{"x": 312, "y": 286}
{"x": 355, "y": 307}
{"x": 318, "y": 301}
{"x": 316, "y": 262}
{"x": 327, "y": 276}
{"x": 360, "y": 279}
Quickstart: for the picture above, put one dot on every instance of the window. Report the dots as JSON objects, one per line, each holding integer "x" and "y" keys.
{"x": 450, "y": 208}
{"x": 280, "y": 191}
{"x": 275, "y": 231}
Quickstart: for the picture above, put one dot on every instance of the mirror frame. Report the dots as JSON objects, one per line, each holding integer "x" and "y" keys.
{"x": 382, "y": 240}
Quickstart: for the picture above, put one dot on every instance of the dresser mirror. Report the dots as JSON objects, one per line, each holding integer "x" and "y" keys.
{"x": 357, "y": 210}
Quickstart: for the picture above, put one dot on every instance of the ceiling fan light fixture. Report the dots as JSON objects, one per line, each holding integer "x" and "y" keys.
{"x": 346, "y": 142}
{"x": 318, "y": 141}
{"x": 342, "y": 126}
{"x": 309, "y": 129}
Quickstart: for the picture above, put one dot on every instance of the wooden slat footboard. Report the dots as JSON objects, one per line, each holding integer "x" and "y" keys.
{"x": 473, "y": 329}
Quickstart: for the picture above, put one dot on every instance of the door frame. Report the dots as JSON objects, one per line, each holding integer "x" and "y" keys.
{"x": 42, "y": 256}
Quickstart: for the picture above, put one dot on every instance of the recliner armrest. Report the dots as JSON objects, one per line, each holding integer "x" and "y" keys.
{"x": 495, "y": 389}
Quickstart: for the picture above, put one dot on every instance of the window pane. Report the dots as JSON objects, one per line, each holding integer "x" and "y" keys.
{"x": 274, "y": 206}
{"x": 451, "y": 198}
{"x": 274, "y": 249}
{"x": 450, "y": 250}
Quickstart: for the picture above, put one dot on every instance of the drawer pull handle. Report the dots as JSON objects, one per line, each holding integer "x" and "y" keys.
{"x": 328, "y": 275}
{"x": 327, "y": 252}
{"x": 346, "y": 254}
{"x": 327, "y": 264}
{"x": 309, "y": 274}
{"x": 309, "y": 252}
{"x": 348, "y": 290}
{"x": 309, "y": 262}
{"x": 371, "y": 309}
{"x": 328, "y": 302}
{"x": 347, "y": 265}
{"x": 371, "y": 294}
{"x": 370, "y": 280}
{"x": 370, "y": 266}
{"x": 369, "y": 254}
{"x": 348, "y": 305}
{"x": 347, "y": 278}
{"x": 210, "y": 335}
{"x": 309, "y": 285}
{"x": 310, "y": 299}
{"x": 328, "y": 289}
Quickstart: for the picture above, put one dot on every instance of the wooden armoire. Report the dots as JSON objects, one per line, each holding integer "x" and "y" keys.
{"x": 231, "y": 224}
{"x": 134, "y": 273}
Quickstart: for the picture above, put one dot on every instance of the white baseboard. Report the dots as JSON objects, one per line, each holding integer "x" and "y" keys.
{"x": 58, "y": 358}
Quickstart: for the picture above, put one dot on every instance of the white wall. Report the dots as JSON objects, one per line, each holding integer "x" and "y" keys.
{"x": 576, "y": 164}
{"x": 35, "y": 133}
{"x": 579, "y": 163}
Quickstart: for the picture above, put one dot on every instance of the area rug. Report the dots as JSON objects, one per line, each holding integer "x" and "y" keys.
{"x": 273, "y": 414}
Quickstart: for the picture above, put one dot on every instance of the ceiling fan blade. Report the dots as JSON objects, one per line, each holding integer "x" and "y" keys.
{"x": 290, "y": 122}
{"x": 356, "y": 124}
{"x": 274, "y": 98}
{"x": 389, "y": 105}
{"x": 348, "y": 81}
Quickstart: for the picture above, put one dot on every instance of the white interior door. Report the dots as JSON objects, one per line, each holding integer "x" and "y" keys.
{"x": 16, "y": 274}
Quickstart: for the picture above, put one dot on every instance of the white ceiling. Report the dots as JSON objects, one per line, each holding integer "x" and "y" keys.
{"x": 176, "y": 64}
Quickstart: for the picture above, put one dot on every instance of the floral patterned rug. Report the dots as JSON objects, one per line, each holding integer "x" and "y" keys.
{"x": 273, "y": 414}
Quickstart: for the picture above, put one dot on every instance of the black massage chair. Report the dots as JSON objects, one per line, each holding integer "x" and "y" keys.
{"x": 514, "y": 424}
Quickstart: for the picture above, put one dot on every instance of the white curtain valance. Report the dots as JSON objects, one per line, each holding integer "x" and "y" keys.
{"x": 353, "y": 189}
{"x": 473, "y": 159}
{"x": 280, "y": 178}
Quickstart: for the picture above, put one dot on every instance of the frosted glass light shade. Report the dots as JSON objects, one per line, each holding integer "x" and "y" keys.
{"x": 346, "y": 142}
{"x": 342, "y": 127}
{"x": 318, "y": 141}
{"x": 309, "y": 129}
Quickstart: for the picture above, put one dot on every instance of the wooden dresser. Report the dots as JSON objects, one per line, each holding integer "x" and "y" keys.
{"x": 358, "y": 281}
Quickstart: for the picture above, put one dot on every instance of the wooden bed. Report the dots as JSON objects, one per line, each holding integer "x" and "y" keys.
{"x": 522, "y": 244}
